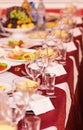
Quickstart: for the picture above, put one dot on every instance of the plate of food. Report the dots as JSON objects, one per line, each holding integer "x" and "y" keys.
{"x": 9, "y": 44}
{"x": 4, "y": 66}
{"x": 21, "y": 55}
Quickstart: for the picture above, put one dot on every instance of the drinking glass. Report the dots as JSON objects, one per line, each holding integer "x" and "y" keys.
{"x": 42, "y": 63}
{"x": 33, "y": 70}
{"x": 50, "y": 83}
{"x": 21, "y": 97}
{"x": 33, "y": 122}
{"x": 62, "y": 53}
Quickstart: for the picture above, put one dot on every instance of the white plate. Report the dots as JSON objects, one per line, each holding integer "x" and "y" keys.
{"x": 8, "y": 66}
{"x": 25, "y": 50}
{"x": 4, "y": 43}
{"x": 7, "y": 58}
{"x": 6, "y": 85}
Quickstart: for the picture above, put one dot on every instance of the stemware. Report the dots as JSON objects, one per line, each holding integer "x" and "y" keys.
{"x": 33, "y": 73}
{"x": 42, "y": 63}
{"x": 13, "y": 107}
{"x": 32, "y": 70}
{"x": 27, "y": 86}
{"x": 22, "y": 91}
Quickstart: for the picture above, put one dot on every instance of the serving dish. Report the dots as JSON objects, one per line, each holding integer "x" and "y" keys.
{"x": 18, "y": 33}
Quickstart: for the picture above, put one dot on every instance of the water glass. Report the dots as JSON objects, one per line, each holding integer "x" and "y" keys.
{"x": 63, "y": 52}
{"x": 33, "y": 122}
{"x": 50, "y": 83}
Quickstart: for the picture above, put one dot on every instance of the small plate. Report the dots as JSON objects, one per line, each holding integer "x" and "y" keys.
{"x": 8, "y": 66}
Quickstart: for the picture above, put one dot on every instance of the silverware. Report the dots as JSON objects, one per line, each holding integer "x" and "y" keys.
{"x": 23, "y": 72}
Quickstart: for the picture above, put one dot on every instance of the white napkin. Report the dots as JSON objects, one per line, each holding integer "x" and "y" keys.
{"x": 71, "y": 46}
{"x": 57, "y": 69}
{"x": 76, "y": 32}
{"x": 78, "y": 20}
{"x": 40, "y": 104}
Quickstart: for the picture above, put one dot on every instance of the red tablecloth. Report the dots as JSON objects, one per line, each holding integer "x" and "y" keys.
{"x": 57, "y": 116}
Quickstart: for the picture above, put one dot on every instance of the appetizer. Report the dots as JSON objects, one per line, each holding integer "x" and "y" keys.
{"x": 19, "y": 54}
{"x": 3, "y": 66}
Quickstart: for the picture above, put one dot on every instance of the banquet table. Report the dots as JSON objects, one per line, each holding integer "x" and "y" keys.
{"x": 65, "y": 85}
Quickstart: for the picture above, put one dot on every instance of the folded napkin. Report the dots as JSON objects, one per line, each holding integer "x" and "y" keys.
{"x": 40, "y": 104}
{"x": 56, "y": 69}
{"x": 76, "y": 32}
{"x": 78, "y": 20}
{"x": 70, "y": 46}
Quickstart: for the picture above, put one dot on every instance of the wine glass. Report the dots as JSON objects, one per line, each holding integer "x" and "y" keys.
{"x": 12, "y": 107}
{"x": 32, "y": 70}
{"x": 42, "y": 63}
{"x": 26, "y": 85}
{"x": 33, "y": 73}
{"x": 21, "y": 96}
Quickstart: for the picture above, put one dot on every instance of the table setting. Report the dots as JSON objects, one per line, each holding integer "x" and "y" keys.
{"x": 38, "y": 72}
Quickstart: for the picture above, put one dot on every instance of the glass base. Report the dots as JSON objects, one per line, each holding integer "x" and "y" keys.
{"x": 42, "y": 87}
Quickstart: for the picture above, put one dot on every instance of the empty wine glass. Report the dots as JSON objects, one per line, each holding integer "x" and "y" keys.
{"x": 42, "y": 63}
{"x": 13, "y": 107}
{"x": 32, "y": 70}
{"x": 21, "y": 97}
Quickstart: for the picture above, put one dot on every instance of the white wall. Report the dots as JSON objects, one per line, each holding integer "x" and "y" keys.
{"x": 48, "y": 3}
